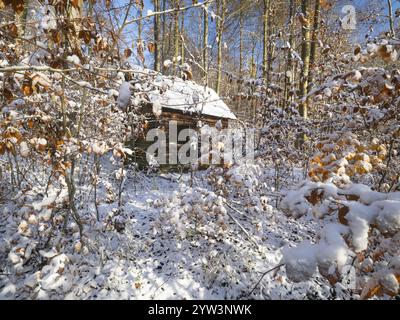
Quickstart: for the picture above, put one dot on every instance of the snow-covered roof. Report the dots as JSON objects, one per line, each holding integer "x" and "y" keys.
{"x": 187, "y": 96}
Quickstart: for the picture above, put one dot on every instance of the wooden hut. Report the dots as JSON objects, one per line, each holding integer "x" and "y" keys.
{"x": 185, "y": 102}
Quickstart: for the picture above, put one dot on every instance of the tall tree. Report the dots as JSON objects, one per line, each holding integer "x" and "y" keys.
{"x": 157, "y": 47}
{"x": 391, "y": 21}
{"x": 271, "y": 43}
{"x": 205, "y": 45}
{"x": 182, "y": 35}
{"x": 265, "y": 37}
{"x": 305, "y": 56}
{"x": 164, "y": 28}
{"x": 140, "y": 48}
{"x": 221, "y": 6}
{"x": 240, "y": 55}
{"x": 176, "y": 34}
{"x": 289, "y": 74}
{"x": 240, "y": 44}
{"x": 314, "y": 40}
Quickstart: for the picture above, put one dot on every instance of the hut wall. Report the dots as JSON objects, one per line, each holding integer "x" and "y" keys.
{"x": 184, "y": 121}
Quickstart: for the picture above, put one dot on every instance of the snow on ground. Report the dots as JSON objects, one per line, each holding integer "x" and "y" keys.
{"x": 143, "y": 263}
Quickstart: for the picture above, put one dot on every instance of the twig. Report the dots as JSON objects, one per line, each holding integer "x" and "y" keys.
{"x": 233, "y": 208}
{"x": 387, "y": 165}
{"x": 191, "y": 55}
{"x": 154, "y": 293}
{"x": 242, "y": 228}
{"x": 263, "y": 275}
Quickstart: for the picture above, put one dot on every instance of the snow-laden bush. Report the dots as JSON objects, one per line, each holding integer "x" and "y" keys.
{"x": 366, "y": 239}
{"x": 193, "y": 211}
{"x": 244, "y": 181}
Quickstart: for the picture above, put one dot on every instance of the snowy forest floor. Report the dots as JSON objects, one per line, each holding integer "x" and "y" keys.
{"x": 139, "y": 262}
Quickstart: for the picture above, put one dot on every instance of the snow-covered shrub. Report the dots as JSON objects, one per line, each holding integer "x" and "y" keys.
{"x": 353, "y": 176}
{"x": 244, "y": 182}
{"x": 242, "y": 179}
{"x": 343, "y": 156}
{"x": 368, "y": 233}
{"x": 192, "y": 211}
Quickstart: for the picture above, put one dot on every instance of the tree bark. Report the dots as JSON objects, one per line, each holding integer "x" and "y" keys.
{"x": 157, "y": 51}
{"x": 176, "y": 36}
{"x": 182, "y": 32}
{"x": 240, "y": 45}
{"x": 271, "y": 44}
{"x": 289, "y": 66}
{"x": 314, "y": 41}
{"x": 205, "y": 45}
{"x": 163, "y": 27}
{"x": 220, "y": 30}
{"x": 265, "y": 37}
{"x": 239, "y": 87}
{"x": 305, "y": 56}
{"x": 392, "y": 32}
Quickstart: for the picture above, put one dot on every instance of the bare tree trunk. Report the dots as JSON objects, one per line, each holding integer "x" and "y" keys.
{"x": 183, "y": 37}
{"x": 75, "y": 15}
{"x": 157, "y": 51}
{"x": 140, "y": 25}
{"x": 69, "y": 176}
{"x": 220, "y": 30}
{"x": 170, "y": 38}
{"x": 265, "y": 37}
{"x": 163, "y": 31}
{"x": 176, "y": 36}
{"x": 139, "y": 40}
{"x": 205, "y": 45}
{"x": 253, "y": 74}
{"x": 314, "y": 41}
{"x": 253, "y": 68}
{"x": 90, "y": 14}
{"x": 272, "y": 44}
{"x": 240, "y": 45}
{"x": 392, "y": 32}
{"x": 305, "y": 56}
{"x": 289, "y": 74}
{"x": 240, "y": 60}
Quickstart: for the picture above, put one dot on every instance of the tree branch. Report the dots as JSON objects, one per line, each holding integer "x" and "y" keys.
{"x": 173, "y": 10}
{"x": 263, "y": 275}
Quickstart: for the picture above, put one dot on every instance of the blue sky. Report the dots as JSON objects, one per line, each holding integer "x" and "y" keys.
{"x": 363, "y": 7}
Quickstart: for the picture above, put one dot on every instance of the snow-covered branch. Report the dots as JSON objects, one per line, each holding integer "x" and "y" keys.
{"x": 173, "y": 10}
